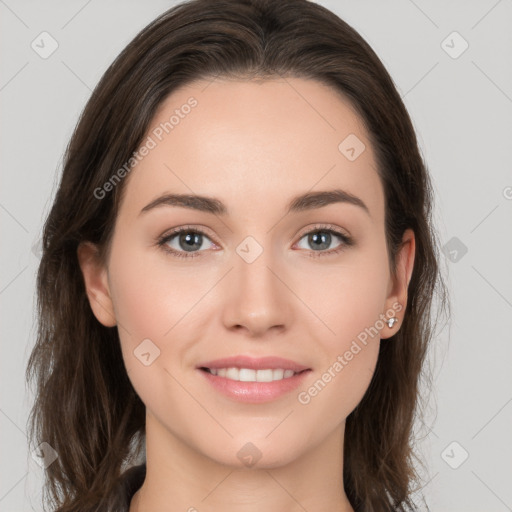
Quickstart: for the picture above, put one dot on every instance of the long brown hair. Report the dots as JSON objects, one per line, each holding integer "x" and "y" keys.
{"x": 86, "y": 408}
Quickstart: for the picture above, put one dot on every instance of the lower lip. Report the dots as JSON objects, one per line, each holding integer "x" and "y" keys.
{"x": 254, "y": 392}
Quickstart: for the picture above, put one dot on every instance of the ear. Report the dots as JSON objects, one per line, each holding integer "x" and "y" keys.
{"x": 398, "y": 285}
{"x": 96, "y": 284}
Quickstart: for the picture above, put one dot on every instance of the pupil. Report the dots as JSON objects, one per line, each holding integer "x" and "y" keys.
{"x": 190, "y": 240}
{"x": 321, "y": 236}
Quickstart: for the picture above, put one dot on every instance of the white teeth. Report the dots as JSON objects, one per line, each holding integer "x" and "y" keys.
{"x": 277, "y": 374}
{"x": 244, "y": 375}
{"x": 249, "y": 375}
{"x": 233, "y": 373}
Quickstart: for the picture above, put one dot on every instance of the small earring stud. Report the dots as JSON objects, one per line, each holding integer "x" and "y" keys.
{"x": 392, "y": 321}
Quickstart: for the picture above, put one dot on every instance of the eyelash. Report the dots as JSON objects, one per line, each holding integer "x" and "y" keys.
{"x": 347, "y": 241}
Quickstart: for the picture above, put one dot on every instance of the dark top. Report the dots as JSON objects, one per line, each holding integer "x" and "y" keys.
{"x": 128, "y": 484}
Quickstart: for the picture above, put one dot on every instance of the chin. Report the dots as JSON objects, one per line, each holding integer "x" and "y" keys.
{"x": 255, "y": 455}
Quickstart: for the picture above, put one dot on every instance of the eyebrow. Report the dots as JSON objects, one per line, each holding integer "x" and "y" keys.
{"x": 304, "y": 202}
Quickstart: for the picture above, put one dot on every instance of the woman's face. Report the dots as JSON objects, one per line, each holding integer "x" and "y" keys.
{"x": 265, "y": 278}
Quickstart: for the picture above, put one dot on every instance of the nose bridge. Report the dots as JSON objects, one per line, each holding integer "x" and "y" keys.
{"x": 253, "y": 265}
{"x": 253, "y": 268}
{"x": 259, "y": 300}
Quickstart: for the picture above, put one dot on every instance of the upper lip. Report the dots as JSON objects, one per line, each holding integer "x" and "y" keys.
{"x": 254, "y": 363}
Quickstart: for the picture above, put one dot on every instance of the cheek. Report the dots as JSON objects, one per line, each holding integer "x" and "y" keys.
{"x": 150, "y": 294}
{"x": 153, "y": 305}
{"x": 347, "y": 297}
{"x": 349, "y": 356}
{"x": 350, "y": 303}
{"x": 160, "y": 301}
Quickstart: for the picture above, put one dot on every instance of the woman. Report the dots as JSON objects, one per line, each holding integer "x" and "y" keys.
{"x": 243, "y": 216}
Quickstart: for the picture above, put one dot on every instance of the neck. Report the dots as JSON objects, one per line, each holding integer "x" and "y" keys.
{"x": 179, "y": 478}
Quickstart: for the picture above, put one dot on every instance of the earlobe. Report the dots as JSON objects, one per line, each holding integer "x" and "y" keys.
{"x": 397, "y": 299}
{"x": 96, "y": 284}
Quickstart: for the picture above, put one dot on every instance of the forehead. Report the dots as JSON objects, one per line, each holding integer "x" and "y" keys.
{"x": 266, "y": 141}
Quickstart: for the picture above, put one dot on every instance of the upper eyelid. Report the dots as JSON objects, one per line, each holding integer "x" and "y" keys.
{"x": 186, "y": 229}
{"x": 323, "y": 227}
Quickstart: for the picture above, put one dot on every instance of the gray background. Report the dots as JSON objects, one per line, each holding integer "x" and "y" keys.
{"x": 461, "y": 108}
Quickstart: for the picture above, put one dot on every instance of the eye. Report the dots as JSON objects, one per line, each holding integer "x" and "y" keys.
{"x": 187, "y": 242}
{"x": 321, "y": 237}
{"x": 183, "y": 242}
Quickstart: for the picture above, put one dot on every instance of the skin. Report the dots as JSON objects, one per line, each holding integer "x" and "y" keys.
{"x": 253, "y": 145}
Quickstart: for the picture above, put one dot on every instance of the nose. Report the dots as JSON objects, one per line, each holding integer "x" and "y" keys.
{"x": 257, "y": 297}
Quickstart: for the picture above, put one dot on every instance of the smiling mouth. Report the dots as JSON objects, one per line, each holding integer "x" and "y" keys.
{"x": 251, "y": 375}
